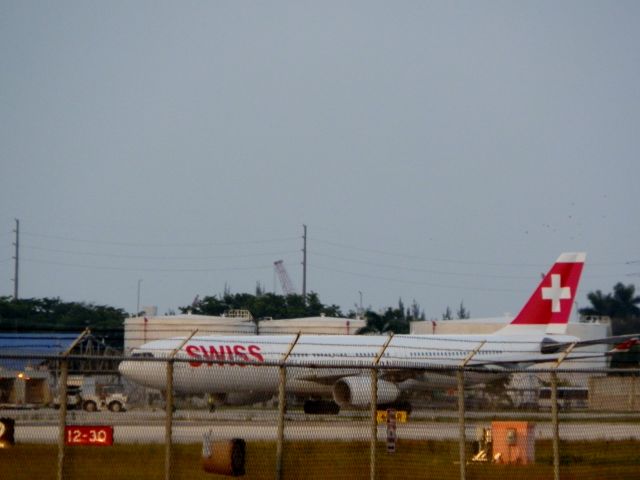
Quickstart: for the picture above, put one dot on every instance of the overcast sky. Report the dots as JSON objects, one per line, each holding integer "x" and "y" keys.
{"x": 437, "y": 151}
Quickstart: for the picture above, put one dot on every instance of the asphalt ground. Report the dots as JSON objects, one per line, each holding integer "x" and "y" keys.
{"x": 189, "y": 426}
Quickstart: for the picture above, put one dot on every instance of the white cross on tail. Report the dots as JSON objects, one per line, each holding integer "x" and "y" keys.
{"x": 555, "y": 293}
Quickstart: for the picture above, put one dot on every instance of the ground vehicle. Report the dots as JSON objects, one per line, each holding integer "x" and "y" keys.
{"x": 84, "y": 393}
{"x": 108, "y": 397}
{"x": 74, "y": 398}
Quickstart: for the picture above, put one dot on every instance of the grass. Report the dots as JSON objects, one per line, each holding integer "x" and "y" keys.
{"x": 322, "y": 460}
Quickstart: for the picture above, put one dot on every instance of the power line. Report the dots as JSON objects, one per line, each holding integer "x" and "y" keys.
{"x": 146, "y": 269}
{"x": 158, "y": 257}
{"x": 416, "y": 257}
{"x": 421, "y": 270}
{"x": 456, "y": 261}
{"x": 414, "y": 282}
{"x": 137, "y": 244}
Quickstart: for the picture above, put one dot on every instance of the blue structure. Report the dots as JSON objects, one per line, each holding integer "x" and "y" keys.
{"x": 32, "y": 344}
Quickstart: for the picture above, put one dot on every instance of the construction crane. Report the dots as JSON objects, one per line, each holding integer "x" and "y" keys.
{"x": 285, "y": 280}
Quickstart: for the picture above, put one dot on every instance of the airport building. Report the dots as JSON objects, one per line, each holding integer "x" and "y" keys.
{"x": 29, "y": 369}
{"x": 26, "y": 382}
{"x": 312, "y": 325}
{"x": 140, "y": 330}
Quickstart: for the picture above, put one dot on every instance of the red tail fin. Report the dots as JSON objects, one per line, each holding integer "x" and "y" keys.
{"x": 551, "y": 303}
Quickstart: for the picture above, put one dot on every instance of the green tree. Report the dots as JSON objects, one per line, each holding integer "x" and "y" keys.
{"x": 462, "y": 312}
{"x": 622, "y": 303}
{"x": 622, "y": 307}
{"x": 391, "y": 320}
{"x": 415, "y": 313}
{"x": 376, "y": 324}
{"x": 52, "y": 314}
{"x": 265, "y": 305}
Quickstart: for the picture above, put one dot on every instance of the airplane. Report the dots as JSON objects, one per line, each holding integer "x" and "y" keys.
{"x": 321, "y": 367}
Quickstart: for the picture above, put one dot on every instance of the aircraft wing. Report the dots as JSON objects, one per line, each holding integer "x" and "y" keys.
{"x": 392, "y": 375}
{"x": 400, "y": 375}
{"x": 328, "y": 379}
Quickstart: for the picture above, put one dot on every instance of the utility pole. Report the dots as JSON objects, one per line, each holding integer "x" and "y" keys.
{"x": 17, "y": 261}
{"x": 138, "y": 304}
{"x": 304, "y": 264}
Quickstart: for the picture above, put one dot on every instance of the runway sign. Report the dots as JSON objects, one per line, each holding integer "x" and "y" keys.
{"x": 88, "y": 435}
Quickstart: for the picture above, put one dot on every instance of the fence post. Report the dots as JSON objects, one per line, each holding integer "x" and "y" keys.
{"x": 168, "y": 425}
{"x": 282, "y": 407}
{"x": 555, "y": 425}
{"x": 462, "y": 452}
{"x": 62, "y": 397}
{"x": 374, "y": 409}
{"x": 462, "y": 441}
{"x": 374, "y": 424}
{"x": 168, "y": 422}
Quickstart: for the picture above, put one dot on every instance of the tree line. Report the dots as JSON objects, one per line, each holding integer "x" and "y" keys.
{"x": 54, "y": 315}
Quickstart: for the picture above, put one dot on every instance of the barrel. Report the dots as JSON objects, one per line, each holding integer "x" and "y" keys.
{"x": 224, "y": 457}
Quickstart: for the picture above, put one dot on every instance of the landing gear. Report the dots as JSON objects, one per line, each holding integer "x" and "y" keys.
{"x": 211, "y": 403}
{"x": 401, "y": 405}
{"x": 319, "y": 407}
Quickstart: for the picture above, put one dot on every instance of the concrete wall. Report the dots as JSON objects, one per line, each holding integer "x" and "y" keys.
{"x": 312, "y": 325}
{"x": 615, "y": 393}
{"x": 140, "y": 330}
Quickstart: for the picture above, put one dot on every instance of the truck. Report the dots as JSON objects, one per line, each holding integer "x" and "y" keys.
{"x": 74, "y": 398}
{"x": 108, "y": 397}
{"x": 86, "y": 394}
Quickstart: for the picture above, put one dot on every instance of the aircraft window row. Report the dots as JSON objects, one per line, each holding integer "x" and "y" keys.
{"x": 142, "y": 355}
{"x": 337, "y": 354}
{"x": 458, "y": 353}
{"x": 439, "y": 353}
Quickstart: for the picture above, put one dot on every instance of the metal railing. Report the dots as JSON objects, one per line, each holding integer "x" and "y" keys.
{"x": 464, "y": 405}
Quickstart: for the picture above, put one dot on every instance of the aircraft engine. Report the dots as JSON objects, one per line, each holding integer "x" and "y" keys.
{"x": 356, "y": 391}
{"x": 238, "y": 398}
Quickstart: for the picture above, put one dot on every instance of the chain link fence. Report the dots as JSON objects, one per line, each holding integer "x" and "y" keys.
{"x": 533, "y": 423}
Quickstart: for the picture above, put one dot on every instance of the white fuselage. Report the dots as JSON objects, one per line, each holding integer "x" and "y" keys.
{"x": 235, "y": 364}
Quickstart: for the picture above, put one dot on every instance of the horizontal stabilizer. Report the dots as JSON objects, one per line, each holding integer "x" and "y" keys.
{"x": 622, "y": 343}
